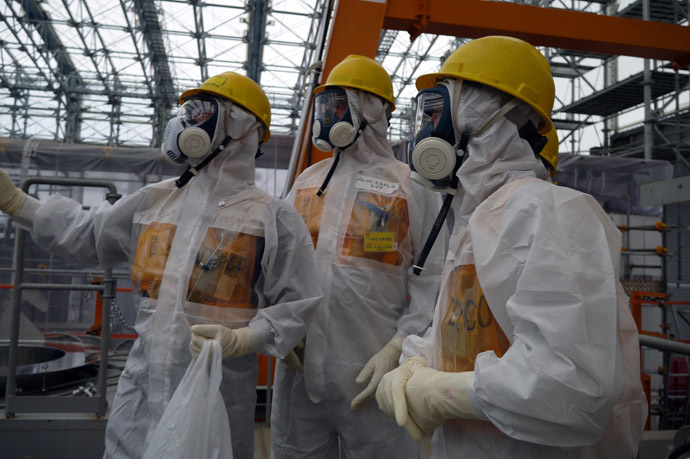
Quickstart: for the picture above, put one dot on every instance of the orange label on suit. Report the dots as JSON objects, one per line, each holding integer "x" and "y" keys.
{"x": 153, "y": 248}
{"x": 468, "y": 326}
{"x": 310, "y": 207}
{"x": 226, "y": 269}
{"x": 377, "y": 226}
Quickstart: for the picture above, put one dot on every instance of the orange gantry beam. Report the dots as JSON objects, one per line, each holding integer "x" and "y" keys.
{"x": 356, "y": 29}
{"x": 357, "y": 24}
{"x": 541, "y": 26}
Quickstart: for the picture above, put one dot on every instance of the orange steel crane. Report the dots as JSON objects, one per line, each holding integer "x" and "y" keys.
{"x": 357, "y": 24}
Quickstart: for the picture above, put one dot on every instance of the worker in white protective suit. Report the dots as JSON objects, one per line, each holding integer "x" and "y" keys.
{"x": 367, "y": 222}
{"x": 208, "y": 250}
{"x": 533, "y": 351}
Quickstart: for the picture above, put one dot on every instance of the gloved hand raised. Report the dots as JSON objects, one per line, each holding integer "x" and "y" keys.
{"x": 381, "y": 363}
{"x": 11, "y": 197}
{"x": 235, "y": 343}
{"x": 421, "y": 398}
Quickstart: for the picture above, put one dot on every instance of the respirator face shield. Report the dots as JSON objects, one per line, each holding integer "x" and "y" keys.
{"x": 196, "y": 111}
{"x": 432, "y": 152}
{"x": 332, "y": 120}
{"x": 191, "y": 134}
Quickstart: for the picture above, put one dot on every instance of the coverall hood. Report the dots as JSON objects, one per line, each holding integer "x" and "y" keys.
{"x": 372, "y": 145}
{"x": 494, "y": 157}
{"x": 233, "y": 169}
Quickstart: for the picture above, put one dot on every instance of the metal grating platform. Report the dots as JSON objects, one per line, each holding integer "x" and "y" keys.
{"x": 624, "y": 94}
{"x": 583, "y": 54}
{"x": 642, "y": 285}
{"x": 659, "y": 11}
{"x": 562, "y": 70}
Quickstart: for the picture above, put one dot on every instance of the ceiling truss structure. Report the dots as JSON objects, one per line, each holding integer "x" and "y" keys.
{"x": 110, "y": 73}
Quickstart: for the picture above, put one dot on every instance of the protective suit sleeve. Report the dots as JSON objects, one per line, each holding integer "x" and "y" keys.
{"x": 423, "y": 289}
{"x": 289, "y": 287}
{"x": 99, "y": 236}
{"x": 422, "y": 346}
{"x": 547, "y": 255}
{"x": 24, "y": 217}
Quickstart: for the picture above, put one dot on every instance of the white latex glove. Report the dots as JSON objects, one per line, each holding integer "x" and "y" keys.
{"x": 11, "y": 197}
{"x": 235, "y": 343}
{"x": 391, "y": 397}
{"x": 423, "y": 398}
{"x": 293, "y": 360}
{"x": 381, "y": 363}
{"x": 434, "y": 396}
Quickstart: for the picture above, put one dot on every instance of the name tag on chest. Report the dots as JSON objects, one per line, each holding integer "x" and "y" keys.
{"x": 362, "y": 182}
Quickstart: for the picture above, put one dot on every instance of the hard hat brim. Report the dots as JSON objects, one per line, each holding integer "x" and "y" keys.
{"x": 323, "y": 87}
{"x": 429, "y": 81}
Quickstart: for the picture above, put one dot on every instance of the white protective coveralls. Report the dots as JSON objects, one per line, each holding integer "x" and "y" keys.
{"x": 530, "y": 301}
{"x": 217, "y": 251}
{"x": 369, "y": 296}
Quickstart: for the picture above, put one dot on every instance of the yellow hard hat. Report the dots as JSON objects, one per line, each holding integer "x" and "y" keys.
{"x": 505, "y": 63}
{"x": 550, "y": 151}
{"x": 361, "y": 72}
{"x": 239, "y": 89}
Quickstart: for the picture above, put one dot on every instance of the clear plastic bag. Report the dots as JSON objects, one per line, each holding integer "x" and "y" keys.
{"x": 195, "y": 423}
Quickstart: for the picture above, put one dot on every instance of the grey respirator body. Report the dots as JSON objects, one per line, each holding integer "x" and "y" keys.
{"x": 435, "y": 153}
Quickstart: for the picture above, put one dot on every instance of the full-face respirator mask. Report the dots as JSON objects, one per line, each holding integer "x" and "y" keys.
{"x": 196, "y": 131}
{"x": 203, "y": 127}
{"x": 435, "y": 152}
{"x": 333, "y": 126}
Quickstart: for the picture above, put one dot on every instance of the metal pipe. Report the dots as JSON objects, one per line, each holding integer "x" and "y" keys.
{"x": 665, "y": 344}
{"x": 12, "y": 402}
{"x": 26, "y": 286}
{"x": 646, "y": 228}
{"x": 269, "y": 390}
{"x": 641, "y": 252}
{"x": 108, "y": 296}
{"x": 67, "y": 182}
{"x": 647, "y": 94}
{"x": 11, "y": 386}
{"x": 69, "y": 272}
{"x": 294, "y": 155}
{"x": 674, "y": 315}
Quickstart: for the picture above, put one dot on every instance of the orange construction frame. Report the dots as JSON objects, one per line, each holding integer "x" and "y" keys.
{"x": 357, "y": 24}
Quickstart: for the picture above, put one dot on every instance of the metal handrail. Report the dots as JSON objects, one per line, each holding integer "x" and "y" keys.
{"x": 15, "y": 403}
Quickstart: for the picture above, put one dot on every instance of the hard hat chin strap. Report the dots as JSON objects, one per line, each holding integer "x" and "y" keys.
{"x": 536, "y": 141}
{"x": 514, "y": 102}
